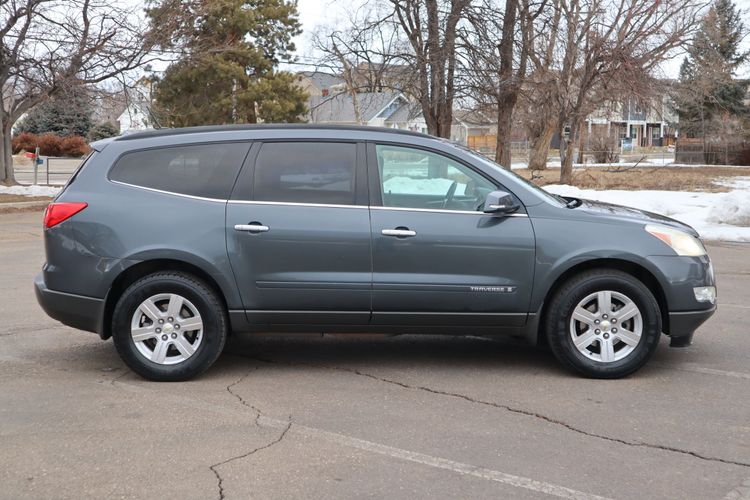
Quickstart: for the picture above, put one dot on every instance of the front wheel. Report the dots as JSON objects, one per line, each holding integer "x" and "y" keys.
{"x": 603, "y": 323}
{"x": 169, "y": 326}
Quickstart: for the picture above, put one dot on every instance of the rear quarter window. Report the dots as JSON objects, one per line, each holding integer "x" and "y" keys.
{"x": 205, "y": 170}
{"x": 306, "y": 172}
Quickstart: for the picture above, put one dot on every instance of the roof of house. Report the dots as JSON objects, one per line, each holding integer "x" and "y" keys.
{"x": 321, "y": 79}
{"x": 404, "y": 113}
{"x": 339, "y": 108}
{"x": 471, "y": 117}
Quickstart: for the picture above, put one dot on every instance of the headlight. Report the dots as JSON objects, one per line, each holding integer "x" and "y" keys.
{"x": 681, "y": 242}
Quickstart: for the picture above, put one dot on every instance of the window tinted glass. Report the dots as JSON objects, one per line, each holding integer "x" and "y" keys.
{"x": 413, "y": 178}
{"x": 206, "y": 170}
{"x": 306, "y": 172}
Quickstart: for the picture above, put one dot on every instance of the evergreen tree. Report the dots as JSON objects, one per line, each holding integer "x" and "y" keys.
{"x": 64, "y": 114}
{"x": 103, "y": 131}
{"x": 709, "y": 94}
{"x": 226, "y": 73}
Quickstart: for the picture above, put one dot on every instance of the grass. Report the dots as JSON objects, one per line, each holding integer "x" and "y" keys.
{"x": 659, "y": 178}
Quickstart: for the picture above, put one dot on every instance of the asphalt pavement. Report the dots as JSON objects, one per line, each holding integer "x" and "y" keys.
{"x": 367, "y": 416}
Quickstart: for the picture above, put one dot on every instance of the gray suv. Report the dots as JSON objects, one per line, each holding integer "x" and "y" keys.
{"x": 171, "y": 240}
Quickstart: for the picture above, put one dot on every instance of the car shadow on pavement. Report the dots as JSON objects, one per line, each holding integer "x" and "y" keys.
{"x": 353, "y": 352}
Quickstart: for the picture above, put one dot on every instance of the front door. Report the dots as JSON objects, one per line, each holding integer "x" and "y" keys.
{"x": 437, "y": 259}
{"x": 298, "y": 234}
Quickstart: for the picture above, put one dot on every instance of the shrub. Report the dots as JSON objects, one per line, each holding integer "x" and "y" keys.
{"x": 50, "y": 145}
{"x": 604, "y": 147}
{"x": 24, "y": 141}
{"x": 103, "y": 131}
{"x": 74, "y": 145}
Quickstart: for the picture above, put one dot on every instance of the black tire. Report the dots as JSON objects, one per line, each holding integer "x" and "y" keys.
{"x": 560, "y": 311}
{"x": 202, "y": 296}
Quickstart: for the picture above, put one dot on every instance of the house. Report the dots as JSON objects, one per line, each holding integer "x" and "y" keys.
{"x": 136, "y": 114}
{"x": 319, "y": 83}
{"x": 365, "y": 108}
{"x": 637, "y": 122}
{"x": 474, "y": 129}
{"x": 378, "y": 77}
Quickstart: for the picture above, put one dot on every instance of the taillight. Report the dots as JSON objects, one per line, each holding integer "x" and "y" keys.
{"x": 58, "y": 212}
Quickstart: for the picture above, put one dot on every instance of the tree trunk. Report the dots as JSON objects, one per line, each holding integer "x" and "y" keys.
{"x": 443, "y": 123}
{"x": 508, "y": 94}
{"x": 540, "y": 146}
{"x": 505, "y": 106}
{"x": 581, "y": 158}
{"x": 566, "y": 170}
{"x": 7, "y": 176}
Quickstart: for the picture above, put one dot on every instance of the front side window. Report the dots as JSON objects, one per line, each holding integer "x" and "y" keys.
{"x": 306, "y": 172}
{"x": 414, "y": 178}
{"x": 205, "y": 170}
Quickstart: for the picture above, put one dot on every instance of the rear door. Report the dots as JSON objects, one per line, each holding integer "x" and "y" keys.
{"x": 298, "y": 233}
{"x": 437, "y": 259}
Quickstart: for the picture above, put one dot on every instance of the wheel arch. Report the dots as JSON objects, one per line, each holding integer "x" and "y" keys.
{"x": 632, "y": 268}
{"x": 137, "y": 271}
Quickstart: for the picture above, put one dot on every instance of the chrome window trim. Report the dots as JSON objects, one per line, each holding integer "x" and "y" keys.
{"x": 444, "y": 211}
{"x": 323, "y": 205}
{"x": 215, "y": 200}
{"x": 294, "y": 204}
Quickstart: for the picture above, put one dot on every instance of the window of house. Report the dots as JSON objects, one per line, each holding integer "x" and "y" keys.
{"x": 205, "y": 170}
{"x": 306, "y": 172}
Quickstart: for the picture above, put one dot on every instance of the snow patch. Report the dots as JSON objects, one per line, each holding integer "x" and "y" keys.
{"x": 408, "y": 185}
{"x": 31, "y": 190}
{"x": 716, "y": 216}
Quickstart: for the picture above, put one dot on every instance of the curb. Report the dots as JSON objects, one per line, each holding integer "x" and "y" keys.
{"x": 23, "y": 206}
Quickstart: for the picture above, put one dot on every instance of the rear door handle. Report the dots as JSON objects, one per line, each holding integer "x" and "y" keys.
{"x": 253, "y": 227}
{"x": 399, "y": 232}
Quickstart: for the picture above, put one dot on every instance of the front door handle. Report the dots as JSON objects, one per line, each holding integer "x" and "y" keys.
{"x": 399, "y": 232}
{"x": 253, "y": 227}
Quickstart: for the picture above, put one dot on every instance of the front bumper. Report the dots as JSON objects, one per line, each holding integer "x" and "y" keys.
{"x": 682, "y": 325}
{"x": 77, "y": 311}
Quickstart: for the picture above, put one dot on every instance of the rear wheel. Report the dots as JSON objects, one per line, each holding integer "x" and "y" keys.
{"x": 169, "y": 326}
{"x": 603, "y": 323}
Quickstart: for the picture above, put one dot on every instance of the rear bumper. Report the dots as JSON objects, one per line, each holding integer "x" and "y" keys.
{"x": 77, "y": 311}
{"x": 682, "y": 325}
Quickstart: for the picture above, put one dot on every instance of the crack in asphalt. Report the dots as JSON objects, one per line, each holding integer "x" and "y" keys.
{"x": 258, "y": 414}
{"x": 214, "y": 467}
{"x": 241, "y": 399}
{"x": 518, "y": 411}
{"x": 27, "y": 329}
{"x": 116, "y": 379}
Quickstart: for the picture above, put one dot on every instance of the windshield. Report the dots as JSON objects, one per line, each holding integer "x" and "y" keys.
{"x": 552, "y": 198}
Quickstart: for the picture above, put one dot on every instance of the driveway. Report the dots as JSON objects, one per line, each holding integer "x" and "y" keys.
{"x": 367, "y": 416}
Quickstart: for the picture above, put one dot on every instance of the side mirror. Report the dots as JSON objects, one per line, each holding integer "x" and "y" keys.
{"x": 500, "y": 202}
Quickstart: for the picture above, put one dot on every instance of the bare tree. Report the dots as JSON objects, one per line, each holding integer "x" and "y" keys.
{"x": 495, "y": 53}
{"x": 422, "y": 38}
{"x": 431, "y": 27}
{"x": 606, "y": 44}
{"x": 540, "y": 104}
{"x": 367, "y": 53}
{"x": 50, "y": 45}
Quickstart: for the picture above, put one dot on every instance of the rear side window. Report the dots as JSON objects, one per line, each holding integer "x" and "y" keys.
{"x": 306, "y": 172}
{"x": 205, "y": 170}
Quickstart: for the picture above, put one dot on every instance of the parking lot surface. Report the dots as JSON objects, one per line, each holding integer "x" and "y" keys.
{"x": 367, "y": 416}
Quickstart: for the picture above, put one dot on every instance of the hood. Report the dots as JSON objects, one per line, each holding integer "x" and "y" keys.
{"x": 631, "y": 214}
